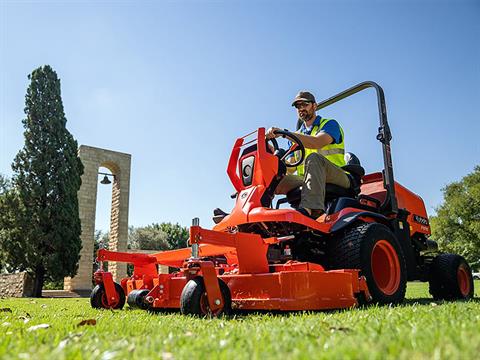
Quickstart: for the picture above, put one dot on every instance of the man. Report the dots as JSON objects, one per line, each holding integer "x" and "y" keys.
{"x": 324, "y": 155}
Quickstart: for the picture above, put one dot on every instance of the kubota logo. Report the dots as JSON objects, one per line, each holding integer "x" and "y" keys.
{"x": 420, "y": 220}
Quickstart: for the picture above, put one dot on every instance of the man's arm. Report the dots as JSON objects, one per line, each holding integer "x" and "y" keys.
{"x": 310, "y": 142}
{"x": 315, "y": 142}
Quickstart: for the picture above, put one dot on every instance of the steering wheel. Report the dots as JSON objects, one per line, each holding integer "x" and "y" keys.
{"x": 296, "y": 146}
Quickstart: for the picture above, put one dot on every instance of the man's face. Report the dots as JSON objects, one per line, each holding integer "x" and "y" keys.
{"x": 305, "y": 110}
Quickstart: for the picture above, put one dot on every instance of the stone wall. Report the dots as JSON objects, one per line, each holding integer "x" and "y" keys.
{"x": 16, "y": 285}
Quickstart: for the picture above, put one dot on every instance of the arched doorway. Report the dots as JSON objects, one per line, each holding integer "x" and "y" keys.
{"x": 119, "y": 165}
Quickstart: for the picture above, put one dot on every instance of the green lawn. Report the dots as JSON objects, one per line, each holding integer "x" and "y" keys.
{"x": 419, "y": 329}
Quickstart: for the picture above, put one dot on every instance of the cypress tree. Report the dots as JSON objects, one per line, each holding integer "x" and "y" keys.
{"x": 47, "y": 178}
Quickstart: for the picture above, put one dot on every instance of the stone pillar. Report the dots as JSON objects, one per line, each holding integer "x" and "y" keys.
{"x": 119, "y": 164}
{"x": 119, "y": 216}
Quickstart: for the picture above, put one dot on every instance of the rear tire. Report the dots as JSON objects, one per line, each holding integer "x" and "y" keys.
{"x": 450, "y": 278}
{"x": 193, "y": 300}
{"x": 373, "y": 249}
{"x": 98, "y": 297}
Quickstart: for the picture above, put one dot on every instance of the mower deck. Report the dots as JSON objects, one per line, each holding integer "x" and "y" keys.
{"x": 290, "y": 286}
{"x": 253, "y": 283}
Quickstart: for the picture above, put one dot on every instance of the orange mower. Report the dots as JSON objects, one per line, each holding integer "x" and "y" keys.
{"x": 372, "y": 239}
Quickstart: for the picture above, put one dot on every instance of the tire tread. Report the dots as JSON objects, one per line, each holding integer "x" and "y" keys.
{"x": 345, "y": 252}
{"x": 443, "y": 282}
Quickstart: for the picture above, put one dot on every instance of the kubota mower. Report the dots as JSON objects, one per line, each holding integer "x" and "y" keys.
{"x": 373, "y": 237}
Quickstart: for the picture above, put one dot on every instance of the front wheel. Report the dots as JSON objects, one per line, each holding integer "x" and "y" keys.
{"x": 194, "y": 301}
{"x": 373, "y": 249}
{"x": 450, "y": 278}
{"x": 98, "y": 298}
{"x": 136, "y": 299}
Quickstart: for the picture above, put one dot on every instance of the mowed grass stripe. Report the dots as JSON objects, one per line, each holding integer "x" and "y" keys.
{"x": 419, "y": 329}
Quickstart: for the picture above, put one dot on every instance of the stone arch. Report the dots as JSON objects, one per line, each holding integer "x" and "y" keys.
{"x": 119, "y": 164}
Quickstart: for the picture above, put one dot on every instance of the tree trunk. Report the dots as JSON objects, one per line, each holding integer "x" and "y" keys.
{"x": 38, "y": 281}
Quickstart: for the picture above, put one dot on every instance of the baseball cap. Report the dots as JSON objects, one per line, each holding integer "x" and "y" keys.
{"x": 304, "y": 96}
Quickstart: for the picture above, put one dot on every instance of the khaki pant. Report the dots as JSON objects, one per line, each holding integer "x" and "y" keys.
{"x": 318, "y": 172}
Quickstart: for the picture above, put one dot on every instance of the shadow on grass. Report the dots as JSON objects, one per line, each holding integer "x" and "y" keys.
{"x": 429, "y": 300}
{"x": 424, "y": 301}
{"x": 245, "y": 314}
{"x": 240, "y": 314}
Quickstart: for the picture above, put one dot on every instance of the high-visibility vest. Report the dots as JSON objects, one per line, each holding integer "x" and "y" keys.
{"x": 333, "y": 152}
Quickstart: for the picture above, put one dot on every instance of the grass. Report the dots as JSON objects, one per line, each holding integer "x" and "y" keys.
{"x": 419, "y": 329}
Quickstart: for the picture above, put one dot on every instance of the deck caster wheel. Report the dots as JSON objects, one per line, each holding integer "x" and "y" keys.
{"x": 136, "y": 299}
{"x": 193, "y": 300}
{"x": 98, "y": 297}
{"x": 450, "y": 278}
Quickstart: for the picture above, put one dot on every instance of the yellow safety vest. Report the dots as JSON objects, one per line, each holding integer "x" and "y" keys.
{"x": 333, "y": 152}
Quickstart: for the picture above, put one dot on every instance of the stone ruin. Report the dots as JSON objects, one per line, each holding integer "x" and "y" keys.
{"x": 119, "y": 164}
{"x": 21, "y": 284}
{"x": 16, "y": 285}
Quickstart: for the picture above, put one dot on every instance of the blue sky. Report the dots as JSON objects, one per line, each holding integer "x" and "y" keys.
{"x": 175, "y": 83}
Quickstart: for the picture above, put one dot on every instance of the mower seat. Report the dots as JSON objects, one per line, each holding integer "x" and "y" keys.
{"x": 354, "y": 171}
{"x": 218, "y": 215}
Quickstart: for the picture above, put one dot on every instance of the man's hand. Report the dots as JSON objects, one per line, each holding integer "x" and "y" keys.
{"x": 270, "y": 133}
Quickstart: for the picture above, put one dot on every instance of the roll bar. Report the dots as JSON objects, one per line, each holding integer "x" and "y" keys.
{"x": 384, "y": 136}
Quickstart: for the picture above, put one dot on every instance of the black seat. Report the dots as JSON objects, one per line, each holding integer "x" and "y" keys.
{"x": 355, "y": 172}
{"x": 218, "y": 215}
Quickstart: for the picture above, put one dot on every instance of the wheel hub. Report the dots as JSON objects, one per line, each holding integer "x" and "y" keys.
{"x": 385, "y": 267}
{"x": 463, "y": 281}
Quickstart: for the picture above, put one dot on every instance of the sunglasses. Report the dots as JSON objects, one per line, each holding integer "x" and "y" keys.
{"x": 302, "y": 104}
